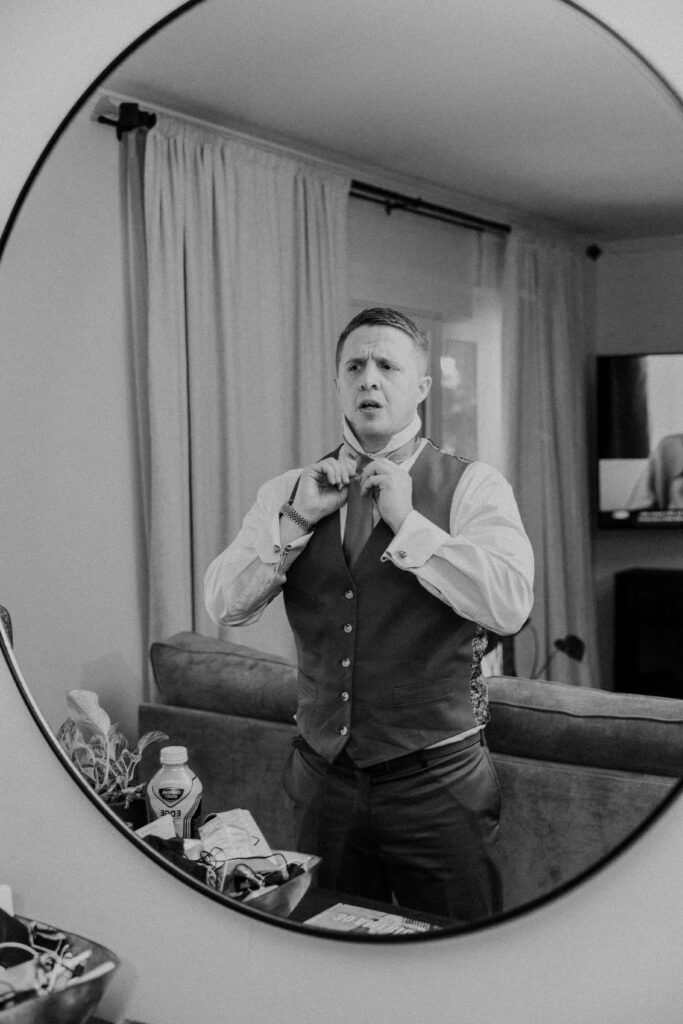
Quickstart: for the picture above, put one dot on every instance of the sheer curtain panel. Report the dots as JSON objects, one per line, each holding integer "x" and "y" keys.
{"x": 544, "y": 359}
{"x": 245, "y": 267}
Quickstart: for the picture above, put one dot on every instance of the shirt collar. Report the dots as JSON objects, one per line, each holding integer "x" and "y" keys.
{"x": 397, "y": 441}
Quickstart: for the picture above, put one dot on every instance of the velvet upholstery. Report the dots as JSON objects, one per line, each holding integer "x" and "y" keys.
{"x": 579, "y": 769}
{"x": 191, "y": 671}
{"x": 559, "y": 722}
{"x": 560, "y": 819}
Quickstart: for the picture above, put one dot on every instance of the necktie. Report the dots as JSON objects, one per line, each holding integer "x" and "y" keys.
{"x": 359, "y": 523}
{"x": 358, "y": 515}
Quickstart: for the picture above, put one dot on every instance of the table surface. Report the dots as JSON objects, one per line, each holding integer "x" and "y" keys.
{"x": 316, "y": 900}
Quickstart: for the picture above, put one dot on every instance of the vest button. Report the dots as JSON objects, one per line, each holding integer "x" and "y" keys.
{"x": 348, "y": 595}
{"x": 402, "y": 554}
{"x": 343, "y": 731}
{"x": 276, "y": 549}
{"x": 346, "y": 662}
{"x": 348, "y": 628}
{"x": 344, "y": 696}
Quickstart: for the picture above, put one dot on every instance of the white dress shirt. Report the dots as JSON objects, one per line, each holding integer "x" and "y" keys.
{"x": 483, "y": 568}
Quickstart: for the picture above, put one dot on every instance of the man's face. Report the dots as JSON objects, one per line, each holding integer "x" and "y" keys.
{"x": 380, "y": 383}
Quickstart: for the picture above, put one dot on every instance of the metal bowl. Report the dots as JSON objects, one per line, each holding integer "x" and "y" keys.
{"x": 284, "y": 898}
{"x": 75, "y": 1003}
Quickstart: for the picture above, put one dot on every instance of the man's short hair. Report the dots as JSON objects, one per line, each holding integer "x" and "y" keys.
{"x": 386, "y": 317}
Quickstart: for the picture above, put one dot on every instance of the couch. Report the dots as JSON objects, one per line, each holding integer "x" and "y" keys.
{"x": 579, "y": 769}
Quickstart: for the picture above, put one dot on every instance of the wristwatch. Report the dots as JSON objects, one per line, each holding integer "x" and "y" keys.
{"x": 288, "y": 510}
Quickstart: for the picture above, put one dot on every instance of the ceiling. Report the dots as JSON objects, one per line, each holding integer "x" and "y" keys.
{"x": 528, "y": 105}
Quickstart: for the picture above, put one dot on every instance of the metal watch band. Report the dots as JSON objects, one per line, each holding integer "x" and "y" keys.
{"x": 296, "y": 517}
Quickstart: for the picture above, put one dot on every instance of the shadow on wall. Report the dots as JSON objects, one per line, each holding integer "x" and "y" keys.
{"x": 115, "y": 682}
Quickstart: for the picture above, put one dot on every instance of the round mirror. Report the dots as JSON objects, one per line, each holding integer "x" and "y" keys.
{"x": 427, "y": 143}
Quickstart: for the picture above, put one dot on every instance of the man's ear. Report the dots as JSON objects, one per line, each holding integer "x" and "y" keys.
{"x": 424, "y": 387}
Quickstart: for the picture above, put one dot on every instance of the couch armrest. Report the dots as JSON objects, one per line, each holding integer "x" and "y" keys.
{"x": 195, "y": 671}
{"x": 578, "y": 725}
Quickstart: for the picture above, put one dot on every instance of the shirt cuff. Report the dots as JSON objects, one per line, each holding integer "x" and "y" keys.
{"x": 271, "y": 550}
{"x": 415, "y": 542}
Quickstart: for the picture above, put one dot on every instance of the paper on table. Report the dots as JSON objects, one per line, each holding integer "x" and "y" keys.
{"x": 235, "y": 833}
{"x": 344, "y": 917}
{"x": 162, "y": 827}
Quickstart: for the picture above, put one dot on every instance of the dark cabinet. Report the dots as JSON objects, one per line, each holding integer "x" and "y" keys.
{"x": 648, "y": 632}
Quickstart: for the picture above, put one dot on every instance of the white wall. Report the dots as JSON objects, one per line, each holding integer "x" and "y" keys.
{"x": 639, "y": 309}
{"x": 410, "y": 261}
{"x": 606, "y": 952}
{"x": 67, "y": 426}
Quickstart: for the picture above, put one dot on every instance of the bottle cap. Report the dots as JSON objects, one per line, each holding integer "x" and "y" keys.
{"x": 173, "y": 755}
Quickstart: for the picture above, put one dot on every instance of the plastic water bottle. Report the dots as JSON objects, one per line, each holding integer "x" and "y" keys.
{"x": 175, "y": 790}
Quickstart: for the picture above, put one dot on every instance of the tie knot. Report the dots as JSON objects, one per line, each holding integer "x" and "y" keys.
{"x": 397, "y": 455}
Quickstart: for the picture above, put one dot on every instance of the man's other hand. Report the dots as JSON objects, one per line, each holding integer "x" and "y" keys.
{"x": 393, "y": 490}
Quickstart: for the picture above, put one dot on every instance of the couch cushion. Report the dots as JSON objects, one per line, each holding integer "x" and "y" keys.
{"x": 578, "y": 725}
{"x": 558, "y": 820}
{"x": 194, "y": 671}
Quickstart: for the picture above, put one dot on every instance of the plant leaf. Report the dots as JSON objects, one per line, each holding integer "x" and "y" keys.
{"x": 69, "y": 735}
{"x": 149, "y": 737}
{"x": 85, "y": 707}
{"x": 104, "y": 758}
{"x": 118, "y": 744}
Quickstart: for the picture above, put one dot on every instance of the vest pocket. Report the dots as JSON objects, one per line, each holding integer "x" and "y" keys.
{"x": 422, "y": 693}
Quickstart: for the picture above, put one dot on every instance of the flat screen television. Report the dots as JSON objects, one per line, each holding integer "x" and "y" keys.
{"x": 640, "y": 440}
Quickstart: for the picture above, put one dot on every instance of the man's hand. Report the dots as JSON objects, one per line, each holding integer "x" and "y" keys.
{"x": 323, "y": 487}
{"x": 393, "y": 490}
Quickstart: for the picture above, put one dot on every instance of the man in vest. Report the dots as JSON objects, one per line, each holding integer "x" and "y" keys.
{"x": 394, "y": 560}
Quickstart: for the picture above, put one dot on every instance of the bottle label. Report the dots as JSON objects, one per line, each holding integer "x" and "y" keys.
{"x": 171, "y": 794}
{"x": 181, "y": 803}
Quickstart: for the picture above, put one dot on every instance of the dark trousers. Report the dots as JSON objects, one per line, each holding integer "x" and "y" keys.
{"x": 418, "y": 830}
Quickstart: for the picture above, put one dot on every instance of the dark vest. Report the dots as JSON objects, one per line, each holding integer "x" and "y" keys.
{"x": 385, "y": 667}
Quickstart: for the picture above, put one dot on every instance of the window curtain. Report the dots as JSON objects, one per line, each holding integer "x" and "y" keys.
{"x": 544, "y": 359}
{"x": 238, "y": 292}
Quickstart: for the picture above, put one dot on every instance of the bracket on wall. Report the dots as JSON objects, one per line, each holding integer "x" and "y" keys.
{"x": 130, "y": 118}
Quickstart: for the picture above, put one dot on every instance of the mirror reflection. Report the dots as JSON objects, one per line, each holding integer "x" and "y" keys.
{"x": 175, "y": 293}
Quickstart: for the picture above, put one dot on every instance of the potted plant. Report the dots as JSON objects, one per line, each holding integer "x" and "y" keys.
{"x": 102, "y": 755}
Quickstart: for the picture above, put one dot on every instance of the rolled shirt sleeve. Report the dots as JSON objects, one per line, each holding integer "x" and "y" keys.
{"x": 246, "y": 577}
{"x": 483, "y": 568}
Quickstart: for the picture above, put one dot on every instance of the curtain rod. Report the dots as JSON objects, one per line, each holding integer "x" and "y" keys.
{"x": 397, "y": 201}
{"x": 131, "y": 117}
